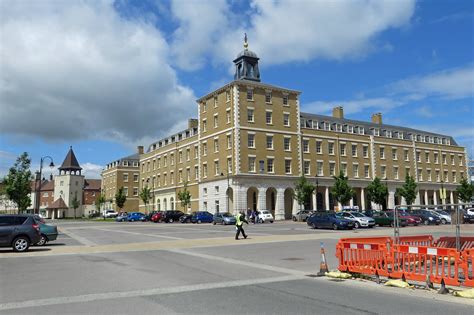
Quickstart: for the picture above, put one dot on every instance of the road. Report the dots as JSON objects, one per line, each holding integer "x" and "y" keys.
{"x": 147, "y": 268}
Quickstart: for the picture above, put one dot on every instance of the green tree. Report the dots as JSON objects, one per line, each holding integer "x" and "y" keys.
{"x": 341, "y": 190}
{"x": 408, "y": 190}
{"x": 185, "y": 197}
{"x": 18, "y": 182}
{"x": 377, "y": 192}
{"x": 465, "y": 191}
{"x": 99, "y": 202}
{"x": 303, "y": 191}
{"x": 145, "y": 196}
{"x": 75, "y": 204}
{"x": 120, "y": 198}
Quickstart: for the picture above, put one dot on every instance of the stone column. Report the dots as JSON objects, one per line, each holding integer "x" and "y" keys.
{"x": 435, "y": 198}
{"x": 451, "y": 197}
{"x": 240, "y": 198}
{"x": 362, "y": 198}
{"x": 262, "y": 199}
{"x": 326, "y": 199}
{"x": 391, "y": 199}
{"x": 280, "y": 204}
{"x": 418, "y": 198}
{"x": 426, "y": 197}
{"x": 315, "y": 197}
{"x": 351, "y": 203}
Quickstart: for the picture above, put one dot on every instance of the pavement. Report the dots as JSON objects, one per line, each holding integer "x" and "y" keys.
{"x": 146, "y": 268}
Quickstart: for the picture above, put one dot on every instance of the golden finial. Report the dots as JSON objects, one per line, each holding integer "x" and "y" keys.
{"x": 246, "y": 44}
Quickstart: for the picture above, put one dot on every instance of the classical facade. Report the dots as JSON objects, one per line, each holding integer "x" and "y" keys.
{"x": 251, "y": 143}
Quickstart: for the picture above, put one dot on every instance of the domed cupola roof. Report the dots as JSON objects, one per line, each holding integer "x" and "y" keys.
{"x": 246, "y": 64}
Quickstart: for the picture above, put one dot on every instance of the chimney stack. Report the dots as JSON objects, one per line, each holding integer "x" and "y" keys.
{"x": 377, "y": 118}
{"x": 338, "y": 112}
{"x": 192, "y": 123}
{"x": 140, "y": 149}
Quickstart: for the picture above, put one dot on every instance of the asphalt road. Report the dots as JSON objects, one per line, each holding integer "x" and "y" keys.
{"x": 146, "y": 268}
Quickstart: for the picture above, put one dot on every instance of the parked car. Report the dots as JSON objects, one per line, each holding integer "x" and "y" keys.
{"x": 121, "y": 217}
{"x": 19, "y": 231}
{"x": 48, "y": 233}
{"x": 149, "y": 215}
{"x": 136, "y": 216}
{"x": 157, "y": 216}
{"x": 426, "y": 216}
{"x": 171, "y": 216}
{"x": 467, "y": 218}
{"x": 202, "y": 217}
{"x": 443, "y": 216}
{"x": 186, "y": 218}
{"x": 385, "y": 219}
{"x": 329, "y": 220}
{"x": 224, "y": 218}
{"x": 109, "y": 214}
{"x": 302, "y": 215}
{"x": 410, "y": 219}
{"x": 265, "y": 216}
{"x": 359, "y": 219}
{"x": 470, "y": 211}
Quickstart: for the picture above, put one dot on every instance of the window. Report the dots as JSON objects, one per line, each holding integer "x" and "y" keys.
{"x": 438, "y": 178}
{"x": 270, "y": 167}
{"x": 216, "y": 204}
{"x": 215, "y": 101}
{"x": 382, "y": 153}
{"x": 125, "y": 191}
{"x": 286, "y": 143}
{"x": 332, "y": 168}
{"x": 125, "y": 177}
{"x": 204, "y": 170}
{"x": 252, "y": 164}
{"x": 171, "y": 178}
{"x": 285, "y": 100}
{"x": 355, "y": 170}
{"x": 354, "y": 150}
{"x": 343, "y": 149}
{"x": 188, "y": 174}
{"x": 204, "y": 107}
{"x": 306, "y": 146}
{"x": 135, "y": 191}
{"x": 344, "y": 168}
{"x": 196, "y": 172}
{"x": 306, "y": 168}
{"x": 180, "y": 157}
{"x": 383, "y": 170}
{"x": 428, "y": 175}
{"x": 249, "y": 94}
{"x": 452, "y": 159}
{"x": 445, "y": 160}
{"x": 204, "y": 205}
{"x": 427, "y": 157}
{"x": 172, "y": 159}
{"x": 165, "y": 179}
{"x": 148, "y": 166}
{"x": 395, "y": 172}
{"x": 204, "y": 191}
{"x": 216, "y": 168}
{"x": 420, "y": 175}
{"x": 288, "y": 166}
{"x": 365, "y": 151}
{"x": 227, "y": 116}
{"x": 135, "y": 178}
{"x": 407, "y": 171}
{"x": 216, "y": 120}
{"x": 268, "y": 97}
{"x": 436, "y": 158}
{"x": 319, "y": 147}
{"x": 204, "y": 125}
{"x": 394, "y": 154}
{"x": 460, "y": 160}
{"x": 320, "y": 168}
{"x": 180, "y": 176}
{"x": 454, "y": 177}
{"x": 204, "y": 149}
{"x": 366, "y": 171}
{"x": 196, "y": 151}
{"x": 229, "y": 165}
{"x": 270, "y": 142}
{"x": 268, "y": 117}
{"x": 405, "y": 155}
{"x": 251, "y": 141}
{"x": 331, "y": 148}
{"x": 418, "y": 157}
{"x": 216, "y": 145}
{"x": 227, "y": 96}
{"x": 216, "y": 190}
{"x": 250, "y": 115}
{"x": 229, "y": 142}
{"x": 188, "y": 154}
{"x": 286, "y": 120}
{"x": 445, "y": 177}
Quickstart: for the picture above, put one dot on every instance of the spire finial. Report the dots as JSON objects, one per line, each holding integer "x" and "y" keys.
{"x": 246, "y": 44}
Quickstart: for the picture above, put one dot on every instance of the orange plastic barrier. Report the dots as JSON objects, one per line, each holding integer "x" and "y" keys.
{"x": 417, "y": 240}
{"x": 468, "y": 267}
{"x": 450, "y": 242}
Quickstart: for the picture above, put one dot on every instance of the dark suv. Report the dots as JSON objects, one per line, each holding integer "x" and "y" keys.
{"x": 19, "y": 231}
{"x": 170, "y": 216}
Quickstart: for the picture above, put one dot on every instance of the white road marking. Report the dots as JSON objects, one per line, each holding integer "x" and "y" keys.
{"x": 138, "y": 293}
{"x": 78, "y": 238}
{"x": 140, "y": 234}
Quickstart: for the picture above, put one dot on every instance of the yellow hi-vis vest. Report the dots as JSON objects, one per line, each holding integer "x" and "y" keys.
{"x": 238, "y": 222}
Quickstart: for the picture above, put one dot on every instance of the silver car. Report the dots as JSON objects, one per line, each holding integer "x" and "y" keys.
{"x": 359, "y": 219}
{"x": 223, "y": 218}
{"x": 302, "y": 215}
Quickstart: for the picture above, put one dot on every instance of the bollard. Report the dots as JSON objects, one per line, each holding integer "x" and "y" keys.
{"x": 443, "y": 289}
{"x": 377, "y": 278}
{"x": 323, "y": 266}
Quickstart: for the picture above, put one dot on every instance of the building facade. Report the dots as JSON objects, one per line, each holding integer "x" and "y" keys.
{"x": 251, "y": 143}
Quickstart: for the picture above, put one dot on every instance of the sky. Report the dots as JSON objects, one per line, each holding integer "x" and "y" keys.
{"x": 106, "y": 76}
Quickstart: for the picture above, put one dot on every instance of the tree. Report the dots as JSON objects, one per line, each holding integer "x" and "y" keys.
{"x": 75, "y": 204}
{"x": 18, "y": 182}
{"x": 145, "y": 195}
{"x": 99, "y": 202}
{"x": 185, "y": 196}
{"x": 303, "y": 191}
{"x": 120, "y": 198}
{"x": 341, "y": 190}
{"x": 465, "y": 191}
{"x": 408, "y": 190}
{"x": 377, "y": 192}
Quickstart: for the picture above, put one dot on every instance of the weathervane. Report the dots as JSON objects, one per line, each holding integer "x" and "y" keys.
{"x": 246, "y": 45}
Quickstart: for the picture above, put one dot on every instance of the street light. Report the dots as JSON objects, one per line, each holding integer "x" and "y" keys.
{"x": 38, "y": 184}
{"x": 227, "y": 191}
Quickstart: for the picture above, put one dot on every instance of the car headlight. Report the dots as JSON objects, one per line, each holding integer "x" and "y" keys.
{"x": 431, "y": 218}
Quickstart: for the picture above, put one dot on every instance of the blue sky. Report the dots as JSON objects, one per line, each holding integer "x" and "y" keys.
{"x": 107, "y": 76}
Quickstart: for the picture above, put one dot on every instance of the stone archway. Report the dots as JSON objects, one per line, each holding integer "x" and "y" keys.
{"x": 230, "y": 198}
{"x": 271, "y": 200}
{"x": 252, "y": 198}
{"x": 289, "y": 200}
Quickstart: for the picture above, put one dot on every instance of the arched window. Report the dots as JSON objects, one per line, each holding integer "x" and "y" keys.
{"x": 172, "y": 203}
{"x": 159, "y": 204}
{"x": 165, "y": 205}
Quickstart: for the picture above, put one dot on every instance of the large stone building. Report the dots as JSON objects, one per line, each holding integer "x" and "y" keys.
{"x": 250, "y": 144}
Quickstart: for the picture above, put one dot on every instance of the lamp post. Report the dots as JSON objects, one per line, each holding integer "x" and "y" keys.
{"x": 317, "y": 189}
{"x": 227, "y": 191}
{"x": 38, "y": 184}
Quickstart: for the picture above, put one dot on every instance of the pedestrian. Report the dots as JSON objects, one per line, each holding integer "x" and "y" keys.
{"x": 254, "y": 217}
{"x": 239, "y": 221}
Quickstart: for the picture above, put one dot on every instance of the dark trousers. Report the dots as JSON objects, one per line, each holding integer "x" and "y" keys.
{"x": 239, "y": 230}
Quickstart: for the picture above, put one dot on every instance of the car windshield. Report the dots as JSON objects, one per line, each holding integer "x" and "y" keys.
{"x": 226, "y": 215}
{"x": 338, "y": 215}
{"x": 357, "y": 214}
{"x": 443, "y": 212}
{"x": 265, "y": 212}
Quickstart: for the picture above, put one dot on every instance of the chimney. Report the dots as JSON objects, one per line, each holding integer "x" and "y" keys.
{"x": 192, "y": 123}
{"x": 140, "y": 149}
{"x": 338, "y": 112}
{"x": 377, "y": 118}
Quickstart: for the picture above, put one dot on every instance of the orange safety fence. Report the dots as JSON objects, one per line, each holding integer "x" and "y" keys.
{"x": 450, "y": 242}
{"x": 468, "y": 258}
{"x": 416, "y": 240}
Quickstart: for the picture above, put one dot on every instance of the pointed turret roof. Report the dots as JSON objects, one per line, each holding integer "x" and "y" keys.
{"x": 70, "y": 162}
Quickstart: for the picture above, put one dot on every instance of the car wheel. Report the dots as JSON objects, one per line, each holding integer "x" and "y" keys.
{"x": 371, "y": 226}
{"x": 224, "y": 223}
{"x": 132, "y": 220}
{"x": 294, "y": 219}
{"x": 334, "y": 226}
{"x": 42, "y": 240}
{"x": 21, "y": 244}
{"x": 356, "y": 225}
{"x": 213, "y": 222}
{"x": 170, "y": 221}
{"x": 443, "y": 221}
{"x": 314, "y": 226}
{"x": 271, "y": 221}
{"x": 392, "y": 224}
{"x": 261, "y": 221}
{"x": 188, "y": 220}
{"x": 199, "y": 221}
{"x": 426, "y": 222}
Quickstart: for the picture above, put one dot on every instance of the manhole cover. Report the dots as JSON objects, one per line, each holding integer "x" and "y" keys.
{"x": 292, "y": 258}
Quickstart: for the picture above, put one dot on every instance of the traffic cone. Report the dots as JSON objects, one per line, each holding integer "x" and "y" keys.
{"x": 443, "y": 289}
{"x": 323, "y": 266}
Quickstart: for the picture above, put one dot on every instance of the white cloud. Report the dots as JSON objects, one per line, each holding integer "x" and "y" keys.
{"x": 352, "y": 106}
{"x": 77, "y": 70}
{"x": 91, "y": 170}
{"x": 285, "y": 31}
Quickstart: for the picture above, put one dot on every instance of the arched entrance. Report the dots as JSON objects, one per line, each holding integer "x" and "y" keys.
{"x": 252, "y": 197}
{"x": 320, "y": 202}
{"x": 230, "y": 198}
{"x": 271, "y": 200}
{"x": 289, "y": 200}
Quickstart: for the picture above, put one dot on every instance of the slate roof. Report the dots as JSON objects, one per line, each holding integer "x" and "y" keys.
{"x": 92, "y": 184}
{"x": 58, "y": 204}
{"x": 70, "y": 162}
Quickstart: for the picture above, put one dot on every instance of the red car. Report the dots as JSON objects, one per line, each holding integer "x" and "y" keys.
{"x": 410, "y": 219}
{"x": 157, "y": 217}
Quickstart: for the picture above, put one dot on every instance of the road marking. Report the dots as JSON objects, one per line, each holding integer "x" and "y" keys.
{"x": 141, "y": 234}
{"x": 139, "y": 293}
{"x": 78, "y": 238}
